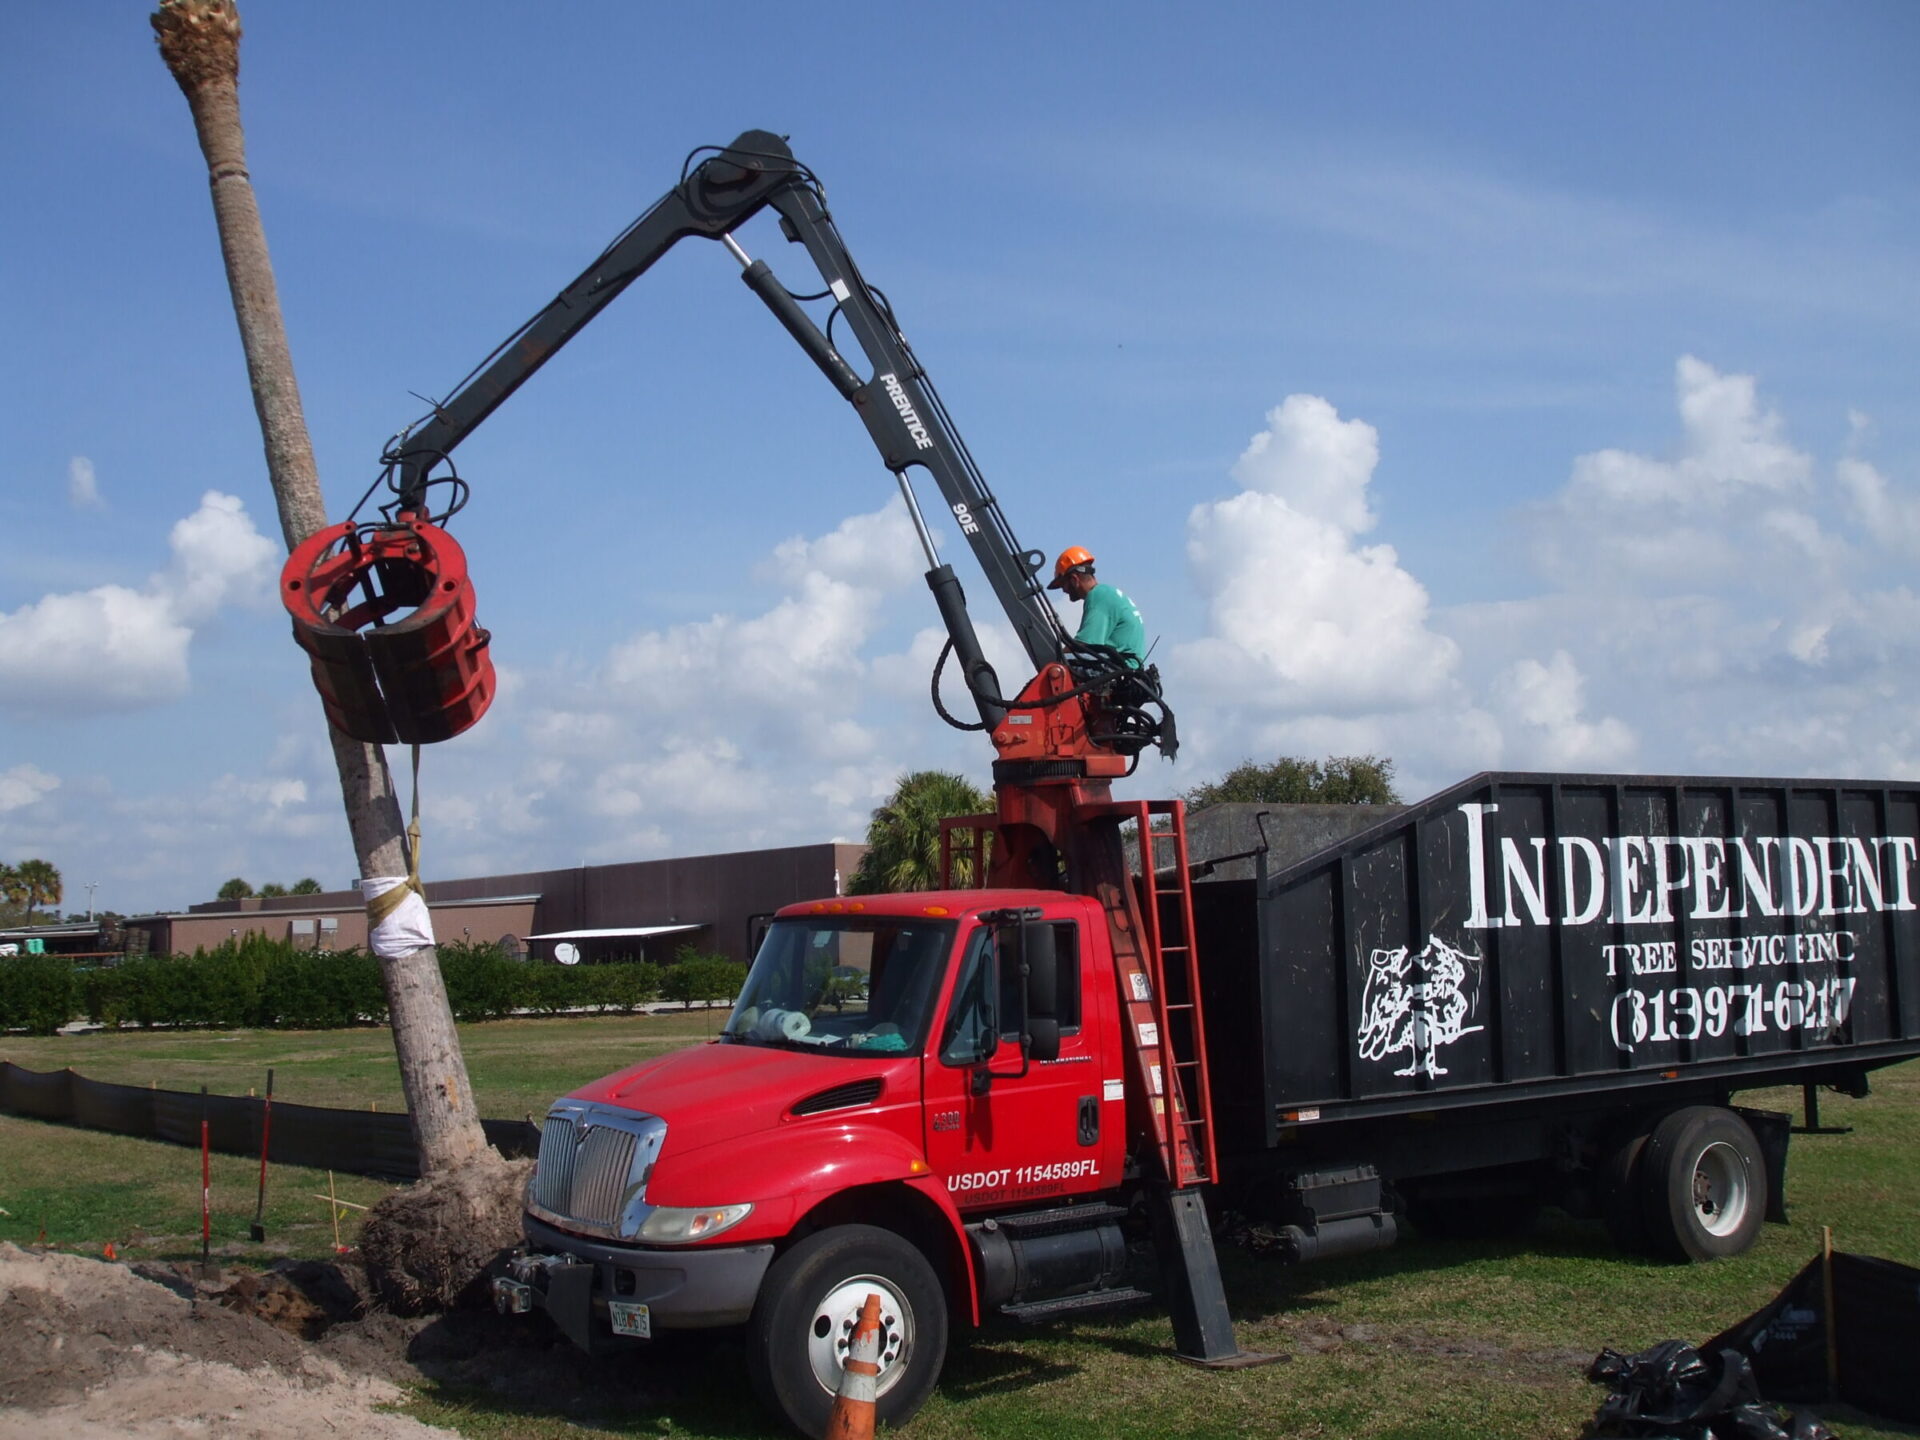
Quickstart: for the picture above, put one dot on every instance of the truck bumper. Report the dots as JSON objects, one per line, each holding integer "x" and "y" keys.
{"x": 573, "y": 1279}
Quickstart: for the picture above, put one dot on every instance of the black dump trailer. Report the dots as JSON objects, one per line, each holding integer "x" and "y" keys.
{"x": 1539, "y": 989}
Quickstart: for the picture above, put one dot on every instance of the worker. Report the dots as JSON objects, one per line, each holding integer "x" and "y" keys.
{"x": 1108, "y": 616}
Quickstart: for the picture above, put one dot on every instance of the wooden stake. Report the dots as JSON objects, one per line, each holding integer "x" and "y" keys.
{"x": 333, "y": 1209}
{"x": 1833, "y": 1320}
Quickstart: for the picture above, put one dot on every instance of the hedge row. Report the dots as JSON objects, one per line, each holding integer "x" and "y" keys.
{"x": 255, "y": 982}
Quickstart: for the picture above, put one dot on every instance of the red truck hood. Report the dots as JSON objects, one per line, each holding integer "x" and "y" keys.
{"x": 724, "y": 1091}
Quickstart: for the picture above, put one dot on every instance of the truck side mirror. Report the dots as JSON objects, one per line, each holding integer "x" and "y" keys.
{"x": 1042, "y": 987}
{"x": 1043, "y": 1040}
{"x": 1043, "y": 971}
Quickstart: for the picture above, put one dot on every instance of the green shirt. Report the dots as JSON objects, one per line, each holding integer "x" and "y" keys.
{"x": 1111, "y": 619}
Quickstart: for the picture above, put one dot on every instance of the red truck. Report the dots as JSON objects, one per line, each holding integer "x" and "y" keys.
{"x": 986, "y": 1100}
{"x": 965, "y": 1100}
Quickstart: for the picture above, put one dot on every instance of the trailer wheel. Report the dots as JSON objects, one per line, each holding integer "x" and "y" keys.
{"x": 1622, "y": 1193}
{"x": 797, "y": 1339}
{"x": 1703, "y": 1184}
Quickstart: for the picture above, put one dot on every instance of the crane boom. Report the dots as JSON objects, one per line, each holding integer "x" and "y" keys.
{"x": 895, "y": 401}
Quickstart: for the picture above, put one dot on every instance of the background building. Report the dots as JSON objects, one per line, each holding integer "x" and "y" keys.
{"x": 645, "y": 909}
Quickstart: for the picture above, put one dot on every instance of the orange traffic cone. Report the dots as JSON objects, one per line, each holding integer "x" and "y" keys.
{"x": 108, "y": 1252}
{"x": 852, "y": 1415}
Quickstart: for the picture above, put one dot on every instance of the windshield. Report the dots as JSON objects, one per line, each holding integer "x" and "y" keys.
{"x": 843, "y": 984}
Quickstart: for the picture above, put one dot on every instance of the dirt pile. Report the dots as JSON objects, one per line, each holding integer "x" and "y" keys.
{"x": 92, "y": 1350}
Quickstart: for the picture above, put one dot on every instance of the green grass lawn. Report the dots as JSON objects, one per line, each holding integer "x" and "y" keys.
{"x": 1427, "y": 1341}
{"x": 517, "y": 1066}
{"x": 82, "y": 1189}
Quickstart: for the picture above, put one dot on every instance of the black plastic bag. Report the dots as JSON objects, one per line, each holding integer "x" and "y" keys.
{"x": 1673, "y": 1392}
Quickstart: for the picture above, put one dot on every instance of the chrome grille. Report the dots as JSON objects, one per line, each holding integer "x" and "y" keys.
{"x": 593, "y": 1164}
{"x": 601, "y": 1163}
{"x": 553, "y": 1174}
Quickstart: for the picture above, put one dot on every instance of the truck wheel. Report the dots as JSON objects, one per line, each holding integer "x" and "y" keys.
{"x": 1621, "y": 1193}
{"x": 1703, "y": 1184}
{"x": 797, "y": 1339}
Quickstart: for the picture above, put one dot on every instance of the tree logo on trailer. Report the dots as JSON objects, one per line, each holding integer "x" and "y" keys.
{"x": 1416, "y": 1003}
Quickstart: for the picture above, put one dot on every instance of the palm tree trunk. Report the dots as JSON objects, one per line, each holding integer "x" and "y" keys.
{"x": 200, "y": 42}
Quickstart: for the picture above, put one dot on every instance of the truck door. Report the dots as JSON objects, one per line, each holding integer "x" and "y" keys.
{"x": 1001, "y": 1132}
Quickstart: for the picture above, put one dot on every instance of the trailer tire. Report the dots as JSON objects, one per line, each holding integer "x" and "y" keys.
{"x": 1622, "y": 1195}
{"x": 796, "y": 1340}
{"x": 1703, "y": 1184}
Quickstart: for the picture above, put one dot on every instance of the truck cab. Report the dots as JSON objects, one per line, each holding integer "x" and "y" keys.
{"x": 896, "y": 1071}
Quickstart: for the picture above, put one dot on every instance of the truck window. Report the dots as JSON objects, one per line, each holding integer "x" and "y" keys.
{"x": 843, "y": 984}
{"x": 963, "y": 1042}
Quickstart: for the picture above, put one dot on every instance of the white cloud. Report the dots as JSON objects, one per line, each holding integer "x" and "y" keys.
{"x": 807, "y": 645}
{"x": 1548, "y": 728}
{"x": 1733, "y": 606}
{"x": 109, "y": 646}
{"x": 1725, "y": 502}
{"x": 119, "y": 648}
{"x": 1728, "y": 605}
{"x": 1314, "y": 460}
{"x": 1890, "y": 518}
{"x": 24, "y": 785}
{"x": 83, "y": 487}
{"x": 219, "y": 559}
{"x": 777, "y": 725}
{"x": 1303, "y": 618}
{"x": 877, "y": 550}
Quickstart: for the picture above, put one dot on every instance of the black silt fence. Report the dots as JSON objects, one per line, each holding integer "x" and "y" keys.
{"x": 358, "y": 1142}
{"x": 1876, "y": 1335}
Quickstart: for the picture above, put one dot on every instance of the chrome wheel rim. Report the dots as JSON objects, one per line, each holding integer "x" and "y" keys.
{"x": 1722, "y": 1190}
{"x": 830, "y": 1331}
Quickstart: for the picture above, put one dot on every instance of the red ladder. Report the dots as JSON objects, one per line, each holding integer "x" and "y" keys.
{"x": 1176, "y": 986}
{"x": 1165, "y": 1024}
{"x": 965, "y": 841}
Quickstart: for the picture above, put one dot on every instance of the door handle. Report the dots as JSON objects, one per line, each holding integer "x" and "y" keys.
{"x": 1089, "y": 1120}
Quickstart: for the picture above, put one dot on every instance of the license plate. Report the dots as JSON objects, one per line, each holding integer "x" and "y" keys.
{"x": 630, "y": 1318}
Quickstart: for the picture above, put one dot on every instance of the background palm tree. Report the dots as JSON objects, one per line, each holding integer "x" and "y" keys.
{"x": 200, "y": 42}
{"x": 40, "y": 884}
{"x": 12, "y": 889}
{"x": 903, "y": 838}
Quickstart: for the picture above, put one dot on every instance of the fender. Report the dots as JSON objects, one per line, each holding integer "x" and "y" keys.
{"x": 794, "y": 1174}
{"x": 931, "y": 1187}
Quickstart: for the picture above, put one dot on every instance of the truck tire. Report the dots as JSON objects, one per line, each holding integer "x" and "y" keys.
{"x": 1703, "y": 1184}
{"x": 797, "y": 1339}
{"x": 1621, "y": 1193}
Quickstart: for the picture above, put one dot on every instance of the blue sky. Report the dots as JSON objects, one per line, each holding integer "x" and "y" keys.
{"x": 1482, "y": 385}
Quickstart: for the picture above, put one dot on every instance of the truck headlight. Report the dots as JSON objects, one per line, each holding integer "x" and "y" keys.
{"x": 675, "y": 1225}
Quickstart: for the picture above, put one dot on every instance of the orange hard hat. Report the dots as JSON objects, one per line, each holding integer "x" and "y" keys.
{"x": 1072, "y": 558}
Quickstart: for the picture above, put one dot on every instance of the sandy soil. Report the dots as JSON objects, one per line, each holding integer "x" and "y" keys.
{"x": 92, "y": 1349}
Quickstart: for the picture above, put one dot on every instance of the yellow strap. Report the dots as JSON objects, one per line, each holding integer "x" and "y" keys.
{"x": 384, "y": 904}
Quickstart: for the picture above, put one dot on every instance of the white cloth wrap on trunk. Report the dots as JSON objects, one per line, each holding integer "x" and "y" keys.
{"x": 406, "y": 929}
